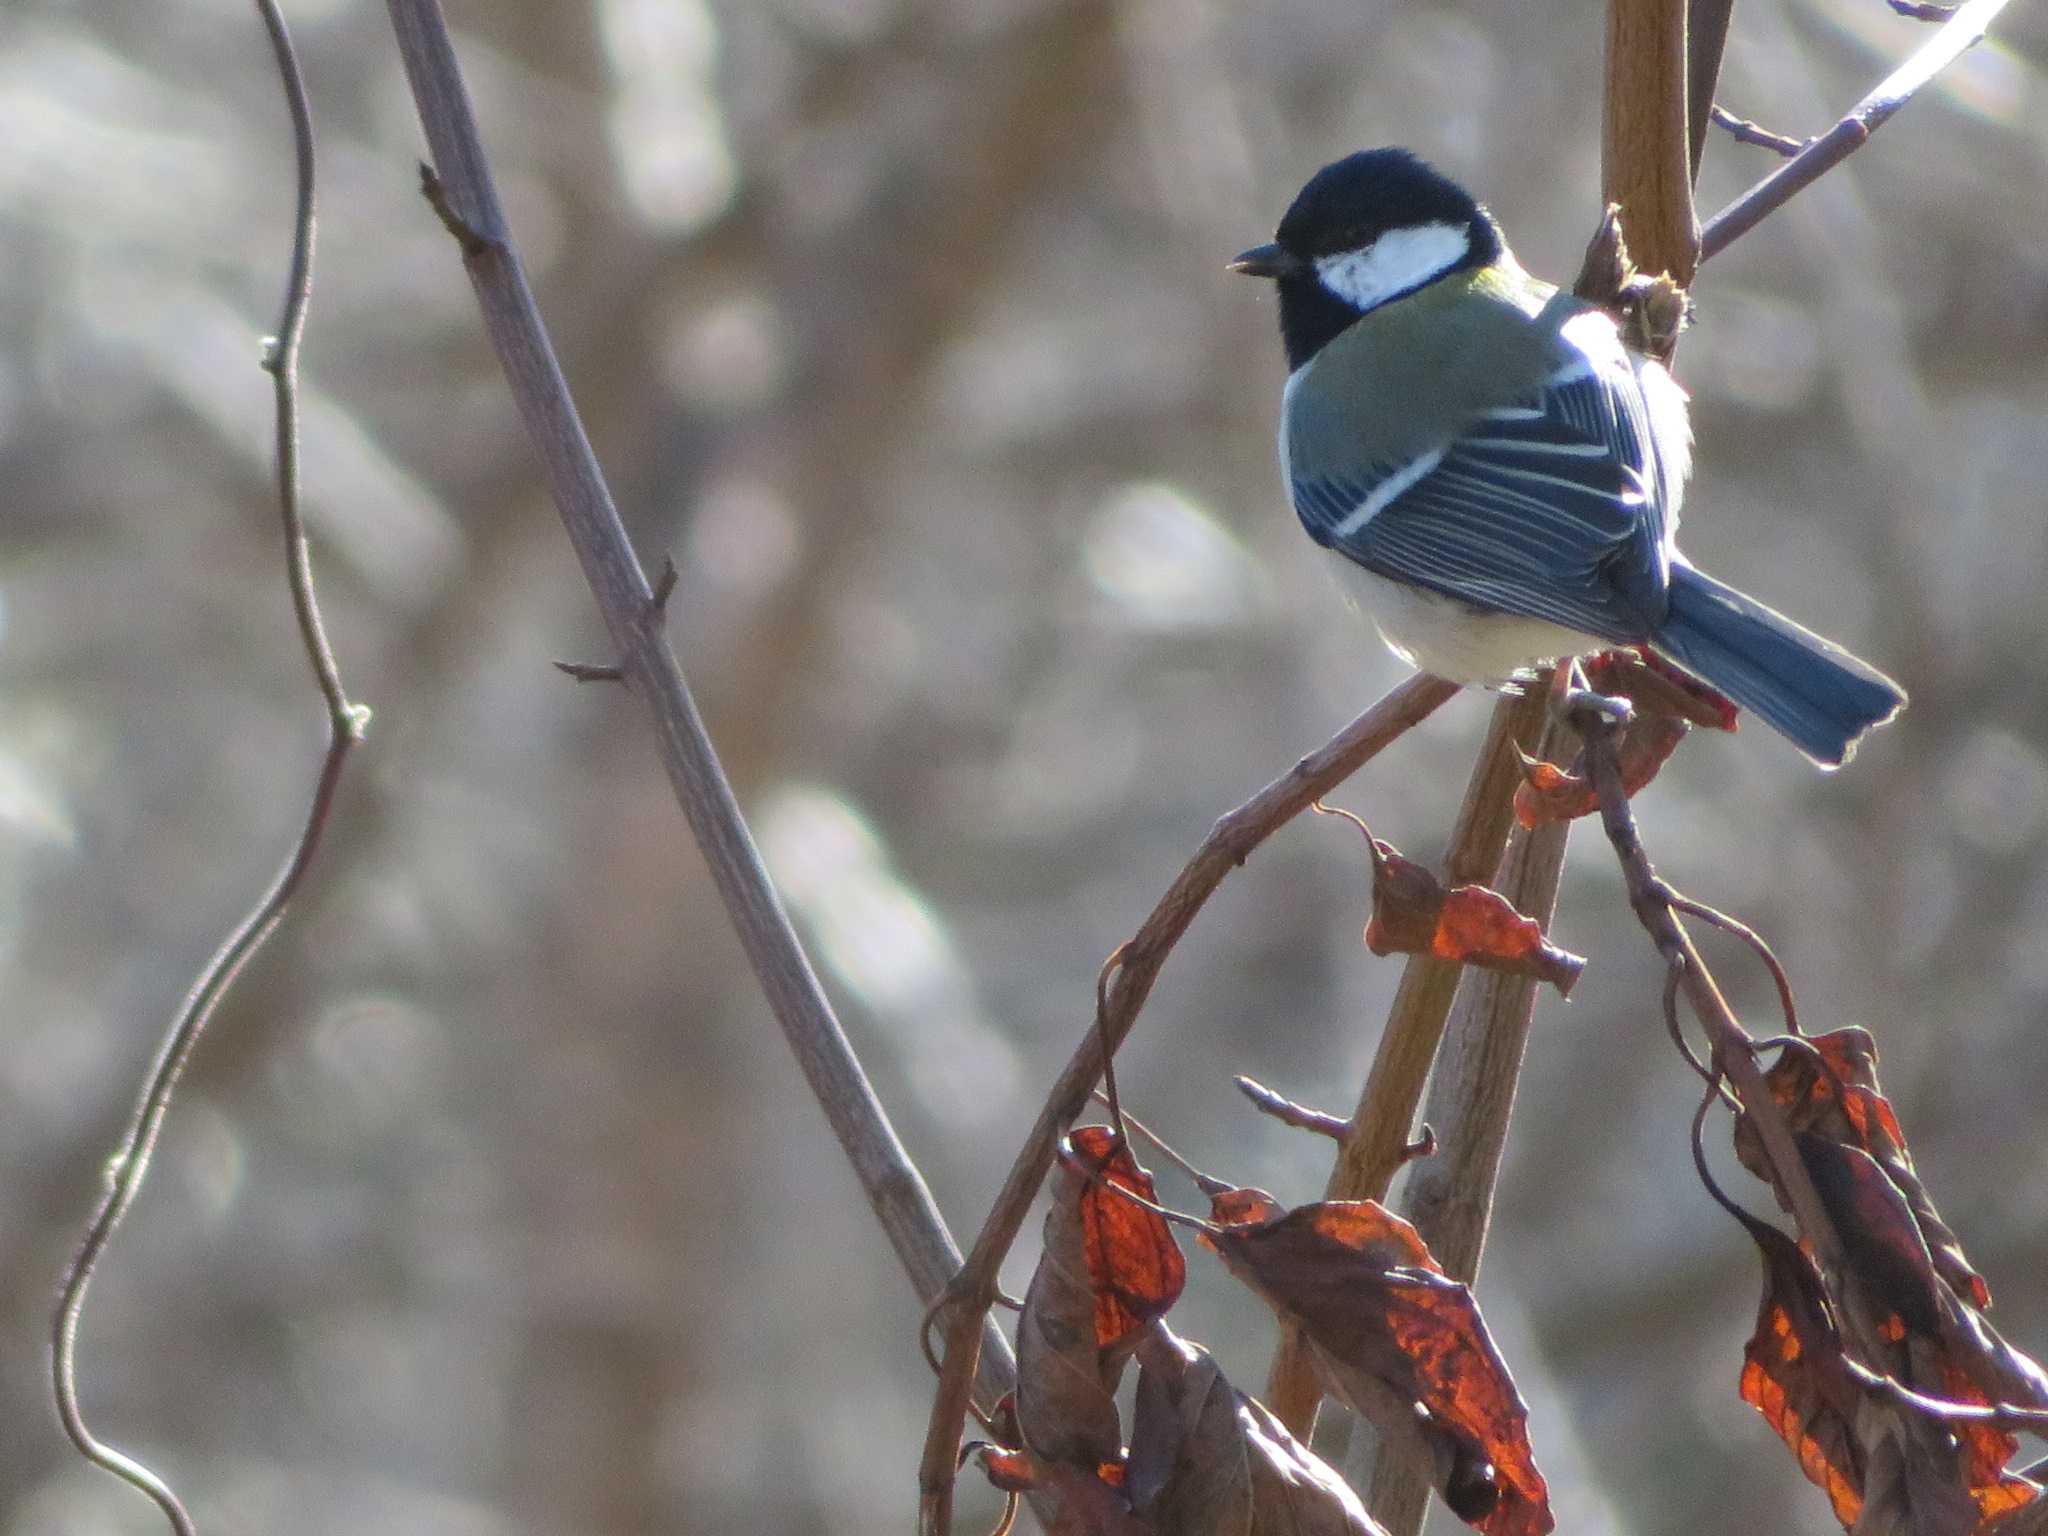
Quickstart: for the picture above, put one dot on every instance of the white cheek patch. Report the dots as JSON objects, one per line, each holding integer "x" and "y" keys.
{"x": 1399, "y": 260}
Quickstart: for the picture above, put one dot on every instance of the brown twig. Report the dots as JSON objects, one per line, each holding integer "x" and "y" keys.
{"x": 1958, "y": 34}
{"x": 1733, "y": 1048}
{"x": 346, "y": 722}
{"x": 1744, "y": 131}
{"x": 463, "y": 194}
{"x": 1229, "y": 843}
{"x": 1759, "y": 946}
{"x": 1165, "y": 1149}
{"x": 1376, "y": 1145}
{"x": 1287, "y": 1112}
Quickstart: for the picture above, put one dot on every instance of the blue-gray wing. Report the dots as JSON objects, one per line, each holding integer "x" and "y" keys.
{"x": 1551, "y": 507}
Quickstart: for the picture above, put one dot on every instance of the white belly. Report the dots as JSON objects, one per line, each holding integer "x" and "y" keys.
{"x": 1441, "y": 635}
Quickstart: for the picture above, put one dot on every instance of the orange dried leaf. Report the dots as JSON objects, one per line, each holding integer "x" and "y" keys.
{"x": 1551, "y": 793}
{"x": 1008, "y": 1471}
{"x": 1134, "y": 1264}
{"x": 1860, "y": 1117}
{"x": 1412, "y": 914}
{"x": 1066, "y": 1380}
{"x": 1795, "y": 1375}
{"x": 1880, "y": 1240}
{"x": 1237, "y": 1207}
{"x": 1989, "y": 1448}
{"x": 1792, "y": 1373}
{"x": 1402, "y": 1343}
{"x": 1480, "y": 926}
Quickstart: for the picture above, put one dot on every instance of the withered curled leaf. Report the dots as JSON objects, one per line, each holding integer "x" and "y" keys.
{"x": 1923, "y": 1297}
{"x": 1400, "y": 1342}
{"x": 1206, "y": 1460}
{"x": 1413, "y": 914}
{"x": 1804, "y": 1084}
{"x": 1793, "y": 1374}
{"x": 1135, "y": 1266}
{"x": 1072, "y": 1334}
{"x": 1550, "y": 793}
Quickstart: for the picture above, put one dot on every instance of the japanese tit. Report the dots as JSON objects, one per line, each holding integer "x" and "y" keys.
{"x": 1501, "y": 474}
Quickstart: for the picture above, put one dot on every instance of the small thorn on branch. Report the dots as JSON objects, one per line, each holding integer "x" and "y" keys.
{"x": 656, "y": 610}
{"x": 1921, "y": 10}
{"x": 1300, "y": 1116}
{"x": 1746, "y": 131}
{"x": 1422, "y": 1146}
{"x": 473, "y": 241}
{"x": 664, "y": 586}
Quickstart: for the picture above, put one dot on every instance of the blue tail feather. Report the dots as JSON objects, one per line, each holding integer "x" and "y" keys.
{"x": 1810, "y": 690}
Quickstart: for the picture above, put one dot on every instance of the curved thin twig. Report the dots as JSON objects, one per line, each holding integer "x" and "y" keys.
{"x": 1717, "y": 1090}
{"x": 346, "y": 723}
{"x": 1958, "y": 34}
{"x": 1110, "y": 1099}
{"x": 1747, "y": 131}
{"x": 1229, "y": 843}
{"x": 1202, "y": 1181}
{"x": 1734, "y": 1049}
{"x": 1759, "y": 945}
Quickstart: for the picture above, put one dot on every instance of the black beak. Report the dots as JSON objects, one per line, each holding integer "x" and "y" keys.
{"x": 1267, "y": 261}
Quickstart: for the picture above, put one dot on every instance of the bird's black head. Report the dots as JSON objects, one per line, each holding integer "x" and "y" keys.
{"x": 1367, "y": 229}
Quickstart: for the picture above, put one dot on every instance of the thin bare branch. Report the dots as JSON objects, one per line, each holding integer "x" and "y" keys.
{"x": 1229, "y": 843}
{"x": 1744, "y": 131}
{"x": 1287, "y": 1112}
{"x": 346, "y": 722}
{"x": 1961, "y": 32}
{"x": 1788, "y": 1004}
{"x": 1165, "y": 1149}
{"x": 463, "y": 194}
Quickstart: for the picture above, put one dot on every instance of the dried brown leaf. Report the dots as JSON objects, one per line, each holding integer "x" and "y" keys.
{"x": 1066, "y": 1383}
{"x": 1135, "y": 1266}
{"x": 1412, "y": 914}
{"x": 1550, "y": 793}
{"x": 1206, "y": 1460}
{"x": 1402, "y": 1343}
{"x": 1860, "y": 1116}
{"x": 1793, "y": 1374}
{"x": 1654, "y": 686}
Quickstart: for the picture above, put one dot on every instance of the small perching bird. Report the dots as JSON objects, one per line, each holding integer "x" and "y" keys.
{"x": 1501, "y": 474}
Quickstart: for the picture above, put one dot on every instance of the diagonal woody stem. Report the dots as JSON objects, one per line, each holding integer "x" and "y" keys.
{"x": 1229, "y": 843}
{"x": 1956, "y": 36}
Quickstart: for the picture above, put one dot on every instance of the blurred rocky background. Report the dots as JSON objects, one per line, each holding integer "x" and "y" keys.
{"x": 493, "y": 1202}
